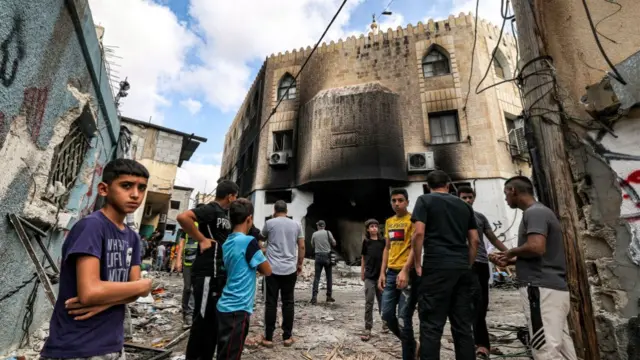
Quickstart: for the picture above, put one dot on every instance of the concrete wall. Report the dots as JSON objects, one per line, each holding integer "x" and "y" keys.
{"x": 183, "y": 196}
{"x": 393, "y": 59}
{"x": 297, "y": 209}
{"x": 54, "y": 76}
{"x": 608, "y": 212}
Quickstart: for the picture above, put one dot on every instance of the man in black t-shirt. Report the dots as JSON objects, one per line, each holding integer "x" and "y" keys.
{"x": 208, "y": 273}
{"x": 443, "y": 222}
{"x": 372, "y": 251}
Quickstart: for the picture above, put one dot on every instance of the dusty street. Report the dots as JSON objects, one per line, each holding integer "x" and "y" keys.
{"x": 323, "y": 331}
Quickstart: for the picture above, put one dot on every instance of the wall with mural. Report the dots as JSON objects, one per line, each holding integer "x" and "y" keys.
{"x": 51, "y": 77}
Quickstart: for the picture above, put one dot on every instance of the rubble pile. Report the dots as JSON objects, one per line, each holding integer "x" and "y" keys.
{"x": 324, "y": 331}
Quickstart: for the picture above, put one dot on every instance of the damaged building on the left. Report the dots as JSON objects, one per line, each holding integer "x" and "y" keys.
{"x": 59, "y": 126}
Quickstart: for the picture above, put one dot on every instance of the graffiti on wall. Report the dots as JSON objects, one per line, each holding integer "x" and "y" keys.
{"x": 12, "y": 52}
{"x": 622, "y": 153}
{"x": 33, "y": 107}
{"x": 90, "y": 205}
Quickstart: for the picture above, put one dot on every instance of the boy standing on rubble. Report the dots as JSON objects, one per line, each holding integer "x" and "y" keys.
{"x": 398, "y": 280}
{"x": 208, "y": 272}
{"x": 100, "y": 272}
{"x": 242, "y": 256}
{"x": 372, "y": 252}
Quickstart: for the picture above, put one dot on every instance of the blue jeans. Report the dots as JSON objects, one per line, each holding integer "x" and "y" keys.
{"x": 405, "y": 300}
{"x": 159, "y": 263}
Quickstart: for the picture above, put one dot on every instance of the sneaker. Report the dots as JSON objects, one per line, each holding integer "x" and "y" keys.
{"x": 314, "y": 301}
{"x": 385, "y": 328}
{"x": 330, "y": 299}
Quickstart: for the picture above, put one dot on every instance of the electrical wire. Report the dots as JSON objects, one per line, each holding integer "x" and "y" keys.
{"x": 607, "y": 17}
{"x": 504, "y": 11}
{"x": 294, "y": 82}
{"x": 18, "y": 288}
{"x": 473, "y": 51}
{"x": 616, "y": 75}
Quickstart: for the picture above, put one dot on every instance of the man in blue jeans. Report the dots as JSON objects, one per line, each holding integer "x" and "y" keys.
{"x": 398, "y": 280}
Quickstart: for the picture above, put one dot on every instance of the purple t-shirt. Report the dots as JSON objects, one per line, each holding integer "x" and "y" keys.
{"x": 118, "y": 250}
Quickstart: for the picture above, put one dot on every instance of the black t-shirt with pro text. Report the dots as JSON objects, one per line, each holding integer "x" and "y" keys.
{"x": 213, "y": 223}
{"x": 447, "y": 220}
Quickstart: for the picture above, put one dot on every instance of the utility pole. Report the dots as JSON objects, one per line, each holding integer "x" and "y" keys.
{"x": 545, "y": 129}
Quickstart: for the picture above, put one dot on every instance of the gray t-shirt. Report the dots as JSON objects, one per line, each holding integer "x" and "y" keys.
{"x": 548, "y": 270}
{"x": 483, "y": 224}
{"x": 282, "y": 236}
{"x": 322, "y": 240}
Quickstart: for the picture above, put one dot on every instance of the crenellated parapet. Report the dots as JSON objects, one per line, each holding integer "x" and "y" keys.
{"x": 430, "y": 28}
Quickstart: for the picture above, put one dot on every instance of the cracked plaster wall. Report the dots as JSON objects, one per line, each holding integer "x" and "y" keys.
{"x": 610, "y": 228}
{"x": 43, "y": 89}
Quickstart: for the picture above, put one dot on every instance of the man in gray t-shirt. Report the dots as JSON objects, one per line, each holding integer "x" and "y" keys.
{"x": 322, "y": 241}
{"x": 541, "y": 272}
{"x": 285, "y": 253}
{"x": 483, "y": 272}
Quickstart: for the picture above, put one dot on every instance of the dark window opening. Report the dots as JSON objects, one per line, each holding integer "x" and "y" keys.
{"x": 435, "y": 63}
{"x": 272, "y": 196}
{"x": 497, "y": 67}
{"x": 170, "y": 227}
{"x": 175, "y": 205}
{"x": 444, "y": 128}
{"x": 287, "y": 82}
{"x": 283, "y": 140}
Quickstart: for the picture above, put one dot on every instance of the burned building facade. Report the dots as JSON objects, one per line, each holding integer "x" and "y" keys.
{"x": 378, "y": 112}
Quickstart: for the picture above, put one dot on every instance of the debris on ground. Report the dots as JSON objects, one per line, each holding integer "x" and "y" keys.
{"x": 322, "y": 331}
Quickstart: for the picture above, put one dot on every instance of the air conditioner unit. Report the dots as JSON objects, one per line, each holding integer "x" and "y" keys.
{"x": 279, "y": 158}
{"x": 422, "y": 161}
{"x": 518, "y": 141}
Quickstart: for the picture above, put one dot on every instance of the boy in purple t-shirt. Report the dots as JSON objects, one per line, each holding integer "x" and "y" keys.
{"x": 100, "y": 272}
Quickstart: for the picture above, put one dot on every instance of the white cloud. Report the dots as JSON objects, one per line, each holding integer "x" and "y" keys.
{"x": 488, "y": 10}
{"x": 152, "y": 44}
{"x": 193, "y": 106}
{"x": 239, "y": 32}
{"x": 201, "y": 177}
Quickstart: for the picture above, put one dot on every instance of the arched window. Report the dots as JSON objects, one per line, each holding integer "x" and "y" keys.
{"x": 287, "y": 82}
{"x": 497, "y": 67}
{"x": 435, "y": 63}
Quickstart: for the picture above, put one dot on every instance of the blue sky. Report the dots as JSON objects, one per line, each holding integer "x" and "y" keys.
{"x": 190, "y": 62}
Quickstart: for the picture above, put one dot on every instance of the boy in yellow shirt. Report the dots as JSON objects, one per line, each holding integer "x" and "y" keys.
{"x": 398, "y": 281}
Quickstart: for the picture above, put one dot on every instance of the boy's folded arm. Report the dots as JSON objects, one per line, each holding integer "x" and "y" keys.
{"x": 93, "y": 291}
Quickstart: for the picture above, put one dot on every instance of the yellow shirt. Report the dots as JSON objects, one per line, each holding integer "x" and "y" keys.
{"x": 399, "y": 231}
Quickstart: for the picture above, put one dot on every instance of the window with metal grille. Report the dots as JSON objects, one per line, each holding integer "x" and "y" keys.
{"x": 444, "y": 128}
{"x": 287, "y": 82}
{"x": 67, "y": 160}
{"x": 435, "y": 63}
{"x": 283, "y": 140}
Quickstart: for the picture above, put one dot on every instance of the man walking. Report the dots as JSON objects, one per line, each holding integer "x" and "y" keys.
{"x": 541, "y": 268}
{"x": 444, "y": 224}
{"x": 481, "y": 268}
{"x": 187, "y": 253}
{"x": 208, "y": 276}
{"x": 398, "y": 281}
{"x": 322, "y": 241}
{"x": 285, "y": 252}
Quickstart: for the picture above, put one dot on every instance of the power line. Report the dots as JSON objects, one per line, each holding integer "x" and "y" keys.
{"x": 616, "y": 75}
{"x": 293, "y": 83}
{"x": 473, "y": 51}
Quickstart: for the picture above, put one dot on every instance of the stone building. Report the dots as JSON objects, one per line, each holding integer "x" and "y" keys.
{"x": 180, "y": 202}
{"x": 162, "y": 151}
{"x": 378, "y": 112}
{"x": 58, "y": 128}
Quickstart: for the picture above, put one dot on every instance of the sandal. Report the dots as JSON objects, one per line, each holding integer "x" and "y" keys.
{"x": 482, "y": 355}
{"x": 252, "y": 343}
{"x": 289, "y": 342}
{"x": 366, "y": 336}
{"x": 266, "y": 343}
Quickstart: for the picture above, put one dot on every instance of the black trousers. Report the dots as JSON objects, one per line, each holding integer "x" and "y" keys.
{"x": 323, "y": 261}
{"x": 480, "y": 330}
{"x": 233, "y": 328}
{"x": 447, "y": 293}
{"x": 284, "y": 286}
{"x": 204, "y": 330}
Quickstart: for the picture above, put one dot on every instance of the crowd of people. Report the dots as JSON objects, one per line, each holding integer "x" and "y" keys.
{"x": 432, "y": 260}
